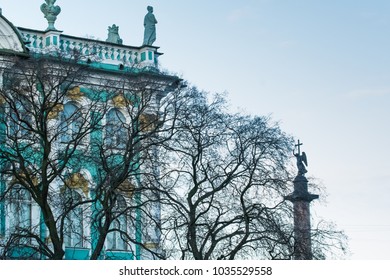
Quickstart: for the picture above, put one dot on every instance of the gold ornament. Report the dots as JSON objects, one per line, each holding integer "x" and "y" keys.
{"x": 151, "y": 245}
{"x": 119, "y": 101}
{"x": 148, "y": 122}
{"x": 55, "y": 110}
{"x": 75, "y": 93}
{"x": 24, "y": 178}
{"x": 77, "y": 181}
{"x": 127, "y": 188}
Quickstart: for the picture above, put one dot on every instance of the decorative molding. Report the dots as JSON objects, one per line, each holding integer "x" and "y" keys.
{"x": 75, "y": 93}
{"x": 113, "y": 35}
{"x": 53, "y": 114}
{"x": 77, "y": 181}
{"x": 150, "y": 245}
{"x": 127, "y": 189}
{"x": 110, "y": 55}
{"x": 33, "y": 178}
{"x": 119, "y": 101}
{"x": 148, "y": 122}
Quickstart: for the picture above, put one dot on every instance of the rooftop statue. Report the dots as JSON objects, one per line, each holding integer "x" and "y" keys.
{"x": 301, "y": 160}
{"x": 113, "y": 35}
{"x": 51, "y": 12}
{"x": 150, "y": 27}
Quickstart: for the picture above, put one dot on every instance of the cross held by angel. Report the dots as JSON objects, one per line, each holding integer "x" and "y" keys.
{"x": 301, "y": 160}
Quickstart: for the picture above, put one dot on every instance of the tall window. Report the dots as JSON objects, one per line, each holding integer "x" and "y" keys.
{"x": 71, "y": 121}
{"x": 115, "y": 129}
{"x": 2, "y": 219}
{"x": 74, "y": 228}
{"x": 20, "y": 209}
{"x": 20, "y": 119}
{"x": 116, "y": 239}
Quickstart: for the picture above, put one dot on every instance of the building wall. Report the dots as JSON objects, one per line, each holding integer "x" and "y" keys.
{"x": 106, "y": 61}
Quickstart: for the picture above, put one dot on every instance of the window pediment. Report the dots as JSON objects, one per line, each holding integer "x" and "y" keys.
{"x": 77, "y": 181}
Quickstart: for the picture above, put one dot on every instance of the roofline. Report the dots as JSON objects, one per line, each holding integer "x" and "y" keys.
{"x": 90, "y": 40}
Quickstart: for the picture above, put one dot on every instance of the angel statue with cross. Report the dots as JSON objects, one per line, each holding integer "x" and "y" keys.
{"x": 301, "y": 160}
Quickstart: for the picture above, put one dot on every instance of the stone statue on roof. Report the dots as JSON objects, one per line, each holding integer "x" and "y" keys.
{"x": 150, "y": 27}
{"x": 113, "y": 35}
{"x": 51, "y": 12}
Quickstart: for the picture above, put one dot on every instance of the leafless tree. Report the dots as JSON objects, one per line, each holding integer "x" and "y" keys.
{"x": 73, "y": 143}
{"x": 127, "y": 156}
{"x": 131, "y": 162}
{"x": 222, "y": 183}
{"x": 37, "y": 151}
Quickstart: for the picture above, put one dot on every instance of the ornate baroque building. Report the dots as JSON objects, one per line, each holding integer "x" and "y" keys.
{"x": 73, "y": 111}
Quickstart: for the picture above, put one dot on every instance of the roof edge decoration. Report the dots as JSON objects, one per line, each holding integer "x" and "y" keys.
{"x": 10, "y": 39}
{"x": 110, "y": 56}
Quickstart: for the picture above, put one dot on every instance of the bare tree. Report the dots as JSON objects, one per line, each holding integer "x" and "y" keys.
{"x": 222, "y": 185}
{"x": 128, "y": 155}
{"x": 37, "y": 150}
{"x": 73, "y": 144}
{"x": 131, "y": 165}
{"x": 221, "y": 182}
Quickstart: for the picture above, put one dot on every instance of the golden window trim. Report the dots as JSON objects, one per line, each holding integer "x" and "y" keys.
{"x": 119, "y": 101}
{"x": 77, "y": 181}
{"x": 53, "y": 114}
{"x": 75, "y": 93}
{"x": 127, "y": 189}
{"x": 151, "y": 245}
{"x": 148, "y": 122}
{"x": 33, "y": 178}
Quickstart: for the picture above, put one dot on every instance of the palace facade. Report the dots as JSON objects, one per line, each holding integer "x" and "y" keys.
{"x": 75, "y": 116}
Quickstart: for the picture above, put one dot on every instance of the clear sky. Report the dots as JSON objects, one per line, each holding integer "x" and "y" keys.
{"x": 320, "y": 68}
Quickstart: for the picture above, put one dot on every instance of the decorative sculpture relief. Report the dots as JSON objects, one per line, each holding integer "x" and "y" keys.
{"x": 55, "y": 111}
{"x": 77, "y": 181}
{"x": 113, "y": 35}
{"x": 75, "y": 93}
{"x": 119, "y": 101}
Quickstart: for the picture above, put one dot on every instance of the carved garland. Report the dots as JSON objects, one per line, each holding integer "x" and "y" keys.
{"x": 119, "y": 101}
{"x": 77, "y": 181}
{"x": 75, "y": 93}
{"x": 33, "y": 178}
{"x": 127, "y": 189}
{"x": 148, "y": 122}
{"x": 55, "y": 111}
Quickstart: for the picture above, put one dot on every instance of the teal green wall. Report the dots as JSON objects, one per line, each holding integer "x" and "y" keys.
{"x": 77, "y": 164}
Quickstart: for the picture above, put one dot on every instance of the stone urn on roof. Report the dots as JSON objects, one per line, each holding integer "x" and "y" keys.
{"x": 51, "y": 12}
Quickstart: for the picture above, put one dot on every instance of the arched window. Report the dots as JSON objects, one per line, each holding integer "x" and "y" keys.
{"x": 20, "y": 209}
{"x": 71, "y": 121}
{"x": 115, "y": 129}
{"x": 74, "y": 228}
{"x": 116, "y": 240}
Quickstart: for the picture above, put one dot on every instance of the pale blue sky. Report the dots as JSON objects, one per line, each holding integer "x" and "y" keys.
{"x": 321, "y": 68}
